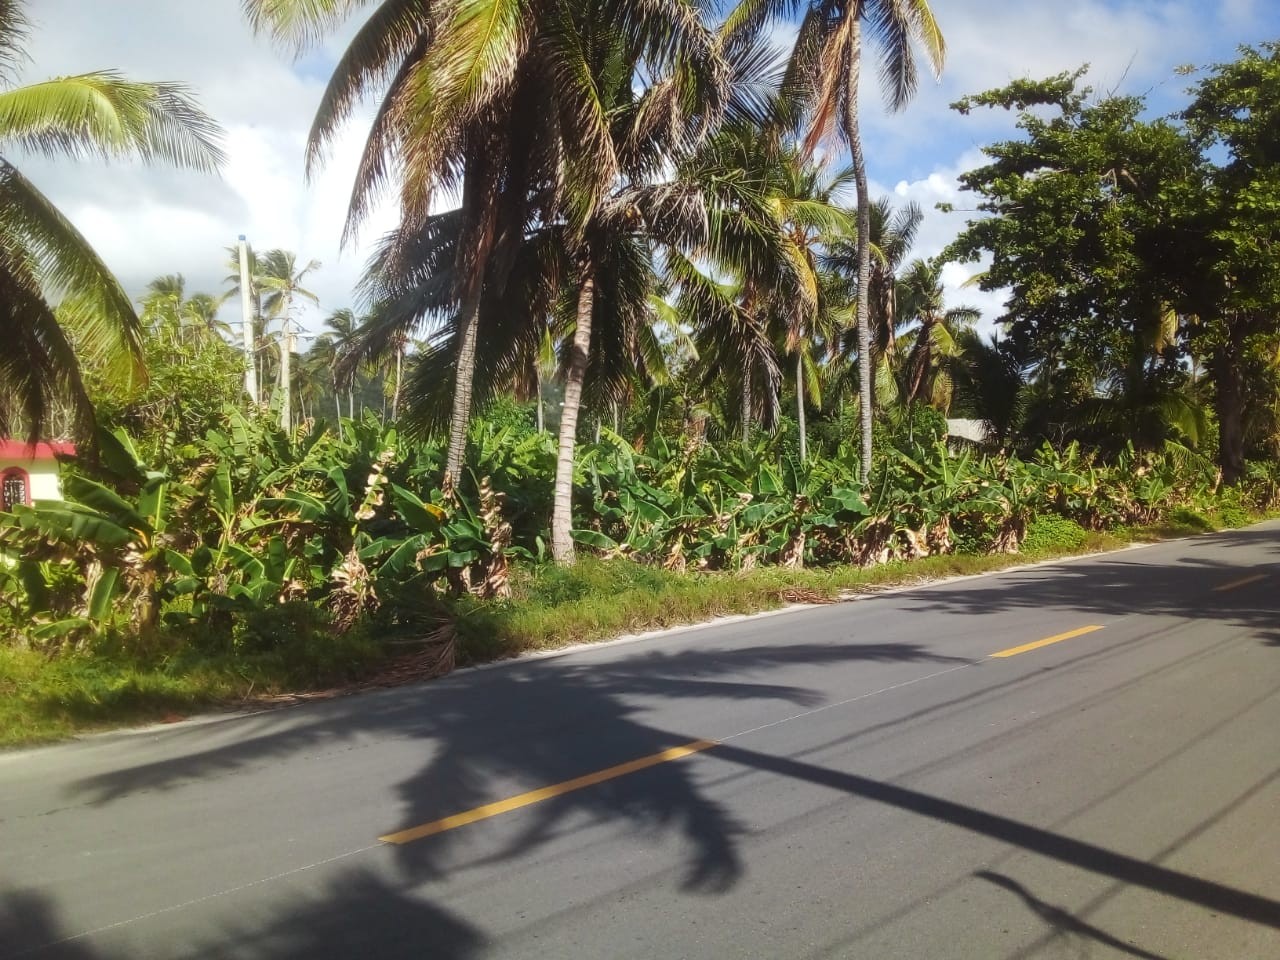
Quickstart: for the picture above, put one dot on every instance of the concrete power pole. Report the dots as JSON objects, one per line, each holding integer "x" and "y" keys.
{"x": 247, "y": 312}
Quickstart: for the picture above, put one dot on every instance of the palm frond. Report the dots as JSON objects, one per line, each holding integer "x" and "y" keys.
{"x": 102, "y": 114}
{"x": 895, "y": 25}
{"x": 373, "y": 58}
{"x": 299, "y": 23}
{"x": 71, "y": 274}
{"x": 14, "y": 27}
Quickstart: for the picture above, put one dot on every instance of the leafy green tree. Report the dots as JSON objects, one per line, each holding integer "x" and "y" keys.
{"x": 1235, "y": 115}
{"x": 58, "y": 301}
{"x": 191, "y": 379}
{"x": 1096, "y": 227}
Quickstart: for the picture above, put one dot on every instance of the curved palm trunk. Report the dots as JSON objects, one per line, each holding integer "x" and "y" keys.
{"x": 853, "y": 134}
{"x": 562, "y": 511}
{"x": 462, "y": 386}
{"x": 804, "y": 439}
{"x": 337, "y": 405}
{"x": 921, "y": 360}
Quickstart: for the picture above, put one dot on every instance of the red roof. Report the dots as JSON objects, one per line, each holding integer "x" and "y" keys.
{"x": 21, "y": 450}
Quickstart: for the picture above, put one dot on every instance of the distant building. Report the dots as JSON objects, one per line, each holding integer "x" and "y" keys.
{"x": 975, "y": 431}
{"x": 30, "y": 473}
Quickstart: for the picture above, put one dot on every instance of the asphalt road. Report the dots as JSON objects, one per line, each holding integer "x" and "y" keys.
{"x": 856, "y": 780}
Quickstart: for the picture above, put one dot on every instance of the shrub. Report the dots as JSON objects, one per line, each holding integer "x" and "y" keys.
{"x": 1049, "y": 533}
{"x": 1186, "y": 517}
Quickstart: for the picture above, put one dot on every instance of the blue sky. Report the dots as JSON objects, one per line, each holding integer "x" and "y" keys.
{"x": 148, "y": 222}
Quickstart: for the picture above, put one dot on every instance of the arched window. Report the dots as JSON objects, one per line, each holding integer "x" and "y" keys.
{"x": 15, "y": 488}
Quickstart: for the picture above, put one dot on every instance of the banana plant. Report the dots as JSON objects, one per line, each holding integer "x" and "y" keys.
{"x": 115, "y": 538}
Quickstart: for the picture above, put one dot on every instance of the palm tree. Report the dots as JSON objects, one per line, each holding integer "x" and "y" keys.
{"x": 200, "y": 315}
{"x": 280, "y": 282}
{"x": 44, "y": 259}
{"x": 343, "y": 327}
{"x": 501, "y": 102}
{"x": 937, "y": 333}
{"x": 825, "y": 75}
{"x": 171, "y": 314}
{"x": 989, "y": 381}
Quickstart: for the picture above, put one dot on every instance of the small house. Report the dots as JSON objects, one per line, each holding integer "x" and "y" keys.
{"x": 30, "y": 472}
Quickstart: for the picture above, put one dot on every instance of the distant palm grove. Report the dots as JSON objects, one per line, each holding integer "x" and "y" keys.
{"x": 640, "y": 306}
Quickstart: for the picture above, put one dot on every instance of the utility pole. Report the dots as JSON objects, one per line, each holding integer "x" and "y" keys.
{"x": 246, "y": 311}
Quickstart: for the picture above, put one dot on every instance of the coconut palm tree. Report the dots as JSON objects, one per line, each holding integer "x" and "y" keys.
{"x": 44, "y": 259}
{"x": 497, "y": 103}
{"x": 280, "y": 283}
{"x": 825, "y": 76}
{"x": 937, "y": 333}
{"x": 200, "y": 316}
{"x": 989, "y": 381}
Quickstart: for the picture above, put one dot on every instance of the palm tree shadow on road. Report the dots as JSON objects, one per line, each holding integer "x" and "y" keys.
{"x": 490, "y": 734}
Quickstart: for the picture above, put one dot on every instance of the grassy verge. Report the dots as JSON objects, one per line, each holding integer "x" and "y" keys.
{"x": 43, "y": 699}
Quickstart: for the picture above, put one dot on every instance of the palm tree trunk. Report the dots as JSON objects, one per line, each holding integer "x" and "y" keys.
{"x": 286, "y": 350}
{"x": 1229, "y": 396}
{"x": 853, "y": 134}
{"x": 337, "y": 405}
{"x": 537, "y": 376}
{"x": 804, "y": 440}
{"x": 746, "y": 406}
{"x": 462, "y": 385}
{"x": 919, "y": 362}
{"x": 562, "y": 509}
{"x": 395, "y": 397}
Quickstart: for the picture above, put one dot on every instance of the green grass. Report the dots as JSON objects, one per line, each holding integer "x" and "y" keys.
{"x": 595, "y": 600}
{"x": 44, "y": 699}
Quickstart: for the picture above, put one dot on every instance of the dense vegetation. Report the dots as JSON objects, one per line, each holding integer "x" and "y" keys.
{"x": 761, "y": 371}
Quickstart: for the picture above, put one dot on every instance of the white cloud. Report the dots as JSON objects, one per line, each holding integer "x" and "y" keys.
{"x": 939, "y": 228}
{"x": 150, "y": 221}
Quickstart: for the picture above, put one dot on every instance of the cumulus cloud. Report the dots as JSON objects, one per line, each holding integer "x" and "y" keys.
{"x": 148, "y": 221}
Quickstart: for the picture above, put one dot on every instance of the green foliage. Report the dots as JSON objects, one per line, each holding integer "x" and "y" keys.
{"x": 1049, "y": 534}
{"x": 191, "y": 380}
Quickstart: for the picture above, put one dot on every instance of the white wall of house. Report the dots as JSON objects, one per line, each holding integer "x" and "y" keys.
{"x": 42, "y": 476}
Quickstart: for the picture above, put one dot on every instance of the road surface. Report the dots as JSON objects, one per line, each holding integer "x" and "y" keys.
{"x": 1078, "y": 760}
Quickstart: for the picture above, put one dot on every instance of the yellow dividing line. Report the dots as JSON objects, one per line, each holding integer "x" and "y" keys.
{"x": 1056, "y": 638}
{"x": 1242, "y": 582}
{"x": 545, "y": 793}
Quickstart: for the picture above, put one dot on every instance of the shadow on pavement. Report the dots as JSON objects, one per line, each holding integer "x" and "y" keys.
{"x": 358, "y": 915}
{"x": 1064, "y": 923}
{"x": 1123, "y": 584}
{"x": 1078, "y": 853}
{"x": 477, "y": 737}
